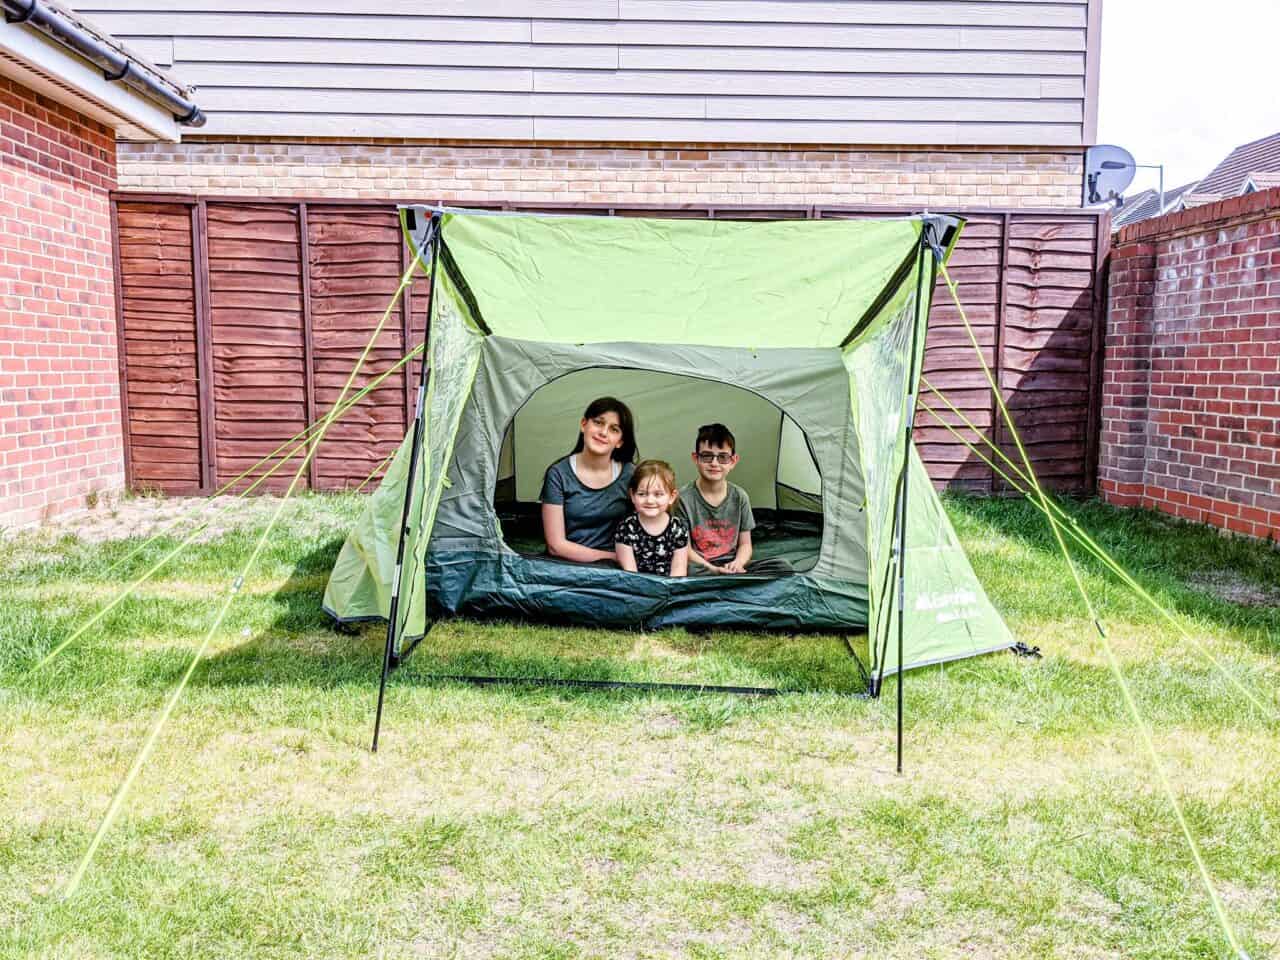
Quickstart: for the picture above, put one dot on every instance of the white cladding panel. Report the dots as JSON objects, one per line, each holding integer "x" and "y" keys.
{"x": 968, "y": 72}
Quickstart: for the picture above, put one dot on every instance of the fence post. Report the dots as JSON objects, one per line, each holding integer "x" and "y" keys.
{"x": 997, "y": 348}
{"x": 204, "y": 346}
{"x": 308, "y": 359}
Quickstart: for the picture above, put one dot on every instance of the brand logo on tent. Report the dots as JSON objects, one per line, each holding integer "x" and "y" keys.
{"x": 949, "y": 606}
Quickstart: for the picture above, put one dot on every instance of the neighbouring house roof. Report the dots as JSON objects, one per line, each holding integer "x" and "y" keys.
{"x": 1146, "y": 204}
{"x": 1231, "y": 177}
{"x": 50, "y": 48}
{"x": 1249, "y": 167}
{"x": 1262, "y": 180}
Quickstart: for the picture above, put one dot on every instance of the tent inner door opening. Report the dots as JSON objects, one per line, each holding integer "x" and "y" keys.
{"x": 776, "y": 465}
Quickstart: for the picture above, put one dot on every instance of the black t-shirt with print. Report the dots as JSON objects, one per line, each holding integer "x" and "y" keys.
{"x": 653, "y": 554}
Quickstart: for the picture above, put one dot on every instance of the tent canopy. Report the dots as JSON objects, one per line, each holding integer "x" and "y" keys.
{"x": 593, "y": 279}
{"x": 805, "y": 337}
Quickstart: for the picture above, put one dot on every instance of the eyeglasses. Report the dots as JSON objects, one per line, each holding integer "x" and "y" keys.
{"x": 708, "y": 457}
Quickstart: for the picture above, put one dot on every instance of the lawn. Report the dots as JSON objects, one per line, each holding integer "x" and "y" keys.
{"x": 521, "y": 822}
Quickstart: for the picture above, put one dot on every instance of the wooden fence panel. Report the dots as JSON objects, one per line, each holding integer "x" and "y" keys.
{"x": 255, "y": 312}
{"x": 158, "y": 345}
{"x": 1047, "y": 348}
{"x": 354, "y": 266}
{"x": 290, "y": 293}
{"x": 950, "y": 364}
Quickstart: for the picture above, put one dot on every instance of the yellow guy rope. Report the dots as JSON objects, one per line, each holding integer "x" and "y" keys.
{"x": 117, "y": 801}
{"x": 322, "y": 424}
{"x": 1081, "y": 536}
{"x": 300, "y": 440}
{"x": 385, "y": 461}
{"x": 1223, "y": 920}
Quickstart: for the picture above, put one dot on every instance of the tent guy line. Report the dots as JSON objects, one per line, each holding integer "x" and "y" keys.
{"x": 541, "y": 285}
{"x": 1131, "y": 704}
{"x": 1082, "y": 537}
{"x": 335, "y": 413}
{"x": 117, "y": 801}
{"x": 300, "y": 439}
{"x": 461, "y": 353}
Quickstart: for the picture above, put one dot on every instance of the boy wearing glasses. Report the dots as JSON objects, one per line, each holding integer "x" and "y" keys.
{"x": 717, "y": 512}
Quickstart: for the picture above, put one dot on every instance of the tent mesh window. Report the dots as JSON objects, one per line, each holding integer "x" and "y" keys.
{"x": 776, "y": 468}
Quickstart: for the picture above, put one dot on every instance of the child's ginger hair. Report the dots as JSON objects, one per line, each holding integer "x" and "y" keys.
{"x": 646, "y": 469}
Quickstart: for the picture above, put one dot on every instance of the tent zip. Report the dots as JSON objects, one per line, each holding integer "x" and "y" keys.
{"x": 464, "y": 289}
{"x": 890, "y": 290}
{"x": 930, "y": 223}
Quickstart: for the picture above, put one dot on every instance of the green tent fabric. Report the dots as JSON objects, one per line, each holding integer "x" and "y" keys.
{"x": 797, "y": 334}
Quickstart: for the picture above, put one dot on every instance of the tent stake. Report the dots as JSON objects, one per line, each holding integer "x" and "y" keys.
{"x": 415, "y": 451}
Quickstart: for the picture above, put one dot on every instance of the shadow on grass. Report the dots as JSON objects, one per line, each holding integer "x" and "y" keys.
{"x": 1176, "y": 561}
{"x": 304, "y": 646}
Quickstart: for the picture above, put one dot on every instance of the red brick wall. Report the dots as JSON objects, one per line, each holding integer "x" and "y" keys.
{"x": 1191, "y": 376}
{"x": 60, "y": 438}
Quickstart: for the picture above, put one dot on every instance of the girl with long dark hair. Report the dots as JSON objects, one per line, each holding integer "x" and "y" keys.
{"x": 584, "y": 494}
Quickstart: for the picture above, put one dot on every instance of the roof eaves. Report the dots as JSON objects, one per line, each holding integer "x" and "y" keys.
{"x": 66, "y": 54}
{"x": 140, "y": 62}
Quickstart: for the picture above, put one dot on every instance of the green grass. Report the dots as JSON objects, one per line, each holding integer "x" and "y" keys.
{"x": 554, "y": 823}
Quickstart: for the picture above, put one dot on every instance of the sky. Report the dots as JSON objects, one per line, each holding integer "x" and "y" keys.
{"x": 1182, "y": 83}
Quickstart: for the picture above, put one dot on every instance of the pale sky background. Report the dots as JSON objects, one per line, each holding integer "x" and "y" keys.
{"x": 1183, "y": 82}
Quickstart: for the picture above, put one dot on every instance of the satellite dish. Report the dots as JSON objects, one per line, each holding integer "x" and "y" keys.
{"x": 1108, "y": 170}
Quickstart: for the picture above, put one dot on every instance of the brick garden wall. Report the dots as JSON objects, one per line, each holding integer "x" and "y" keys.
{"x": 631, "y": 175}
{"x": 1191, "y": 379}
{"x": 60, "y": 435}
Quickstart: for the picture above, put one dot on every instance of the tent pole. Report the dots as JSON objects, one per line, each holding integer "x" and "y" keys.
{"x": 908, "y": 426}
{"x": 415, "y": 451}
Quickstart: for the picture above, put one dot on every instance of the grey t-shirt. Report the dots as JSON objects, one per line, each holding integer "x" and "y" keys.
{"x": 590, "y": 515}
{"x": 713, "y": 531}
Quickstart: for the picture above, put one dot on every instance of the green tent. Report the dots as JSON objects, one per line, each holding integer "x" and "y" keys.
{"x": 805, "y": 337}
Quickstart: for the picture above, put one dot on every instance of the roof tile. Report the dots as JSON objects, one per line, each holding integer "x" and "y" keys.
{"x": 1228, "y": 177}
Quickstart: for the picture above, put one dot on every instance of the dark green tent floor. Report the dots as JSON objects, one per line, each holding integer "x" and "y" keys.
{"x": 526, "y": 584}
{"x": 793, "y": 536}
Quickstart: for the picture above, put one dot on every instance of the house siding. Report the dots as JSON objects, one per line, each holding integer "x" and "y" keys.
{"x": 948, "y": 72}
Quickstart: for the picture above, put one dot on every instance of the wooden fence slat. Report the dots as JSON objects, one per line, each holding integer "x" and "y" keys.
{"x": 154, "y": 275}
{"x": 257, "y": 325}
{"x": 354, "y": 264}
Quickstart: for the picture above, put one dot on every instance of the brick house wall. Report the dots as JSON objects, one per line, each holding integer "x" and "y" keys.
{"x": 1191, "y": 377}
{"x": 630, "y": 174}
{"x": 60, "y": 433}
